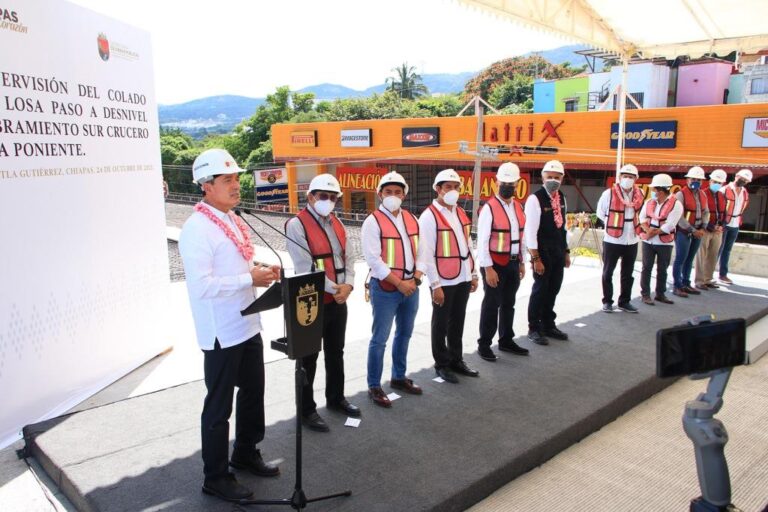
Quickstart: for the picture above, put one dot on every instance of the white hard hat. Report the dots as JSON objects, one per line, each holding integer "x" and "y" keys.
{"x": 661, "y": 181}
{"x": 718, "y": 175}
{"x": 213, "y": 162}
{"x": 508, "y": 173}
{"x": 446, "y": 175}
{"x": 325, "y": 183}
{"x": 390, "y": 178}
{"x": 553, "y": 166}
{"x": 746, "y": 174}
{"x": 696, "y": 172}
{"x": 629, "y": 169}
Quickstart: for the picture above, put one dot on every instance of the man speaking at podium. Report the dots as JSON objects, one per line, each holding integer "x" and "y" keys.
{"x": 216, "y": 248}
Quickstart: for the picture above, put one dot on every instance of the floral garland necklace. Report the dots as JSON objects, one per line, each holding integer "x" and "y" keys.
{"x": 245, "y": 247}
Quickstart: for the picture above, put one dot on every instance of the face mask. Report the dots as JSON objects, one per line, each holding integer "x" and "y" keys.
{"x": 451, "y": 198}
{"x": 507, "y": 191}
{"x": 654, "y": 196}
{"x": 626, "y": 183}
{"x": 740, "y": 183}
{"x": 552, "y": 186}
{"x": 323, "y": 208}
{"x": 695, "y": 186}
{"x": 714, "y": 187}
{"x": 392, "y": 203}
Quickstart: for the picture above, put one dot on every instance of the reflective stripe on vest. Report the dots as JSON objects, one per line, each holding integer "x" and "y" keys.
{"x": 617, "y": 210}
{"x": 447, "y": 252}
{"x": 320, "y": 245}
{"x": 393, "y": 247}
{"x": 689, "y": 204}
{"x": 666, "y": 208}
{"x": 501, "y": 241}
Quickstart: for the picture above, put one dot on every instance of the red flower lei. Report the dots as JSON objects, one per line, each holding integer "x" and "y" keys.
{"x": 245, "y": 247}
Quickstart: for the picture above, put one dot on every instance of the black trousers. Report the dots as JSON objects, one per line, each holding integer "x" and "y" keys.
{"x": 498, "y": 308}
{"x": 448, "y": 325}
{"x": 225, "y": 368}
{"x": 663, "y": 255}
{"x": 334, "y": 332}
{"x": 612, "y": 253}
{"x": 541, "y": 305}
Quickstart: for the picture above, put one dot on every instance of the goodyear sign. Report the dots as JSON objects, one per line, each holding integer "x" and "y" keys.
{"x": 646, "y": 135}
{"x": 272, "y": 193}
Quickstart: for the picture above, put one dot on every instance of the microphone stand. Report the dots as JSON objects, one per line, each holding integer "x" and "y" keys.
{"x": 298, "y": 499}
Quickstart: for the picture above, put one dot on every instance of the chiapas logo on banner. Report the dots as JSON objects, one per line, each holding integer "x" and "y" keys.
{"x": 85, "y": 266}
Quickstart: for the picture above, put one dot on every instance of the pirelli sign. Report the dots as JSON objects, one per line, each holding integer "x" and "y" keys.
{"x": 304, "y": 139}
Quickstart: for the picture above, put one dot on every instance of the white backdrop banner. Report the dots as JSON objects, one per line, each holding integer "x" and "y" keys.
{"x": 84, "y": 268}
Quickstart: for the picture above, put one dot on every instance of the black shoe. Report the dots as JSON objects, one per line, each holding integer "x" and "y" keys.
{"x": 628, "y": 308}
{"x": 226, "y": 488}
{"x": 538, "y": 338}
{"x": 447, "y": 375}
{"x": 314, "y": 422}
{"x": 511, "y": 346}
{"x": 252, "y": 461}
{"x": 462, "y": 368}
{"x": 607, "y": 307}
{"x": 554, "y": 332}
{"x": 486, "y": 353}
{"x": 345, "y": 407}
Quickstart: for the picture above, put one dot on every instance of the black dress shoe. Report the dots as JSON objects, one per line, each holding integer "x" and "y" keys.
{"x": 538, "y": 338}
{"x": 314, "y": 422}
{"x": 226, "y": 488}
{"x": 253, "y": 462}
{"x": 486, "y": 353}
{"x": 511, "y": 346}
{"x": 628, "y": 308}
{"x": 345, "y": 407}
{"x": 462, "y": 368}
{"x": 554, "y": 332}
{"x": 447, "y": 375}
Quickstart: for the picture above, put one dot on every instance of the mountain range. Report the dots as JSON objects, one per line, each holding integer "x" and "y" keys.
{"x": 220, "y": 114}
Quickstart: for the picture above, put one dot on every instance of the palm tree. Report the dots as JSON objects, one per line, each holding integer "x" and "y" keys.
{"x": 407, "y": 83}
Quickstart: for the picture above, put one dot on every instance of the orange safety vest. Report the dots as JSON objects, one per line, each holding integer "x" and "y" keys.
{"x": 730, "y": 203}
{"x": 392, "y": 246}
{"x": 689, "y": 204}
{"x": 666, "y": 208}
{"x": 320, "y": 245}
{"x": 500, "y": 243}
{"x": 716, "y": 202}
{"x": 614, "y": 224}
{"x": 447, "y": 251}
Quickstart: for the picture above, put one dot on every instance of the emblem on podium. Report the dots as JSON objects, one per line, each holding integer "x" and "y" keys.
{"x": 307, "y": 305}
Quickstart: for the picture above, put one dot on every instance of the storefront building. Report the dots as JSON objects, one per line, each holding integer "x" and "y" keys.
{"x": 668, "y": 140}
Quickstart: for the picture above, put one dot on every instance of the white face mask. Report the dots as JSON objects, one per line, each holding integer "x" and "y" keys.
{"x": 392, "y": 203}
{"x": 323, "y": 208}
{"x": 626, "y": 183}
{"x": 451, "y": 198}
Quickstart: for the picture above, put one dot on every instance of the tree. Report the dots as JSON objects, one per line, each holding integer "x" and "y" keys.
{"x": 447, "y": 105}
{"x": 407, "y": 83}
{"x": 512, "y": 91}
{"x": 534, "y": 66}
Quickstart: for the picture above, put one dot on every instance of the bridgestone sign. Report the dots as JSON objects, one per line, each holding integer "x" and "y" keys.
{"x": 356, "y": 139}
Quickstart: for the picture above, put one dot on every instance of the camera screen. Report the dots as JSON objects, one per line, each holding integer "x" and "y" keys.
{"x": 690, "y": 349}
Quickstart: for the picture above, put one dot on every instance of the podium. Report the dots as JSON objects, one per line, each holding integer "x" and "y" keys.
{"x": 302, "y": 299}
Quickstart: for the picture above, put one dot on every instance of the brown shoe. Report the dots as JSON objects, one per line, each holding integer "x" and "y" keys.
{"x": 712, "y": 286}
{"x": 379, "y": 397}
{"x": 702, "y": 287}
{"x": 648, "y": 300}
{"x": 724, "y": 279}
{"x": 680, "y": 293}
{"x": 692, "y": 291}
{"x": 406, "y": 385}
{"x": 664, "y": 299}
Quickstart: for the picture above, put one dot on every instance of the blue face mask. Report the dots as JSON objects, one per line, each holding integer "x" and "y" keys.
{"x": 714, "y": 187}
{"x": 653, "y": 195}
{"x": 695, "y": 186}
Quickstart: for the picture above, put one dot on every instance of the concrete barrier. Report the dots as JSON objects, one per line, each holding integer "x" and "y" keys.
{"x": 746, "y": 259}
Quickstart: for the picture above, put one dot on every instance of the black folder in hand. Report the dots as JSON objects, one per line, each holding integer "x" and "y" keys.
{"x": 270, "y": 299}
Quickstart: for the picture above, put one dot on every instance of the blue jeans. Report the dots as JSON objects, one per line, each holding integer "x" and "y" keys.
{"x": 389, "y": 307}
{"x": 729, "y": 238}
{"x": 686, "y": 247}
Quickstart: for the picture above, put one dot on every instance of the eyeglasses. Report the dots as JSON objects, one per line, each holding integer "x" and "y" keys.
{"x": 325, "y": 196}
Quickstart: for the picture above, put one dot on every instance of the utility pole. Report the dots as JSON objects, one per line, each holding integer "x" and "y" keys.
{"x": 478, "y": 163}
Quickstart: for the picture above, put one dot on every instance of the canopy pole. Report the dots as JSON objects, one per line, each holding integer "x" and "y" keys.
{"x": 476, "y": 174}
{"x": 622, "y": 113}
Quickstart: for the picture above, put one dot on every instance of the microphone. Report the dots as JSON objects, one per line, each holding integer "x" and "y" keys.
{"x": 239, "y": 213}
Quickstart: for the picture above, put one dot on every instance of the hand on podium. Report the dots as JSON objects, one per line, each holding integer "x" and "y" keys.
{"x": 265, "y": 276}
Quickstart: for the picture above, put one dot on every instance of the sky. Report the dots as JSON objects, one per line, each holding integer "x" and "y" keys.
{"x": 250, "y": 47}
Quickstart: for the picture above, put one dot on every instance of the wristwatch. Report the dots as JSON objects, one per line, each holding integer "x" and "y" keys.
{"x": 418, "y": 281}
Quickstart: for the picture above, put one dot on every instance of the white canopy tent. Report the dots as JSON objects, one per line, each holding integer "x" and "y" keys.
{"x": 653, "y": 28}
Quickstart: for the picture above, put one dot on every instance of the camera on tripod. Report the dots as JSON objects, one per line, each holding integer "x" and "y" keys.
{"x": 705, "y": 349}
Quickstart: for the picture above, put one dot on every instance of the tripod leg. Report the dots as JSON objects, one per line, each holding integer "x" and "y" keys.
{"x": 329, "y": 496}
